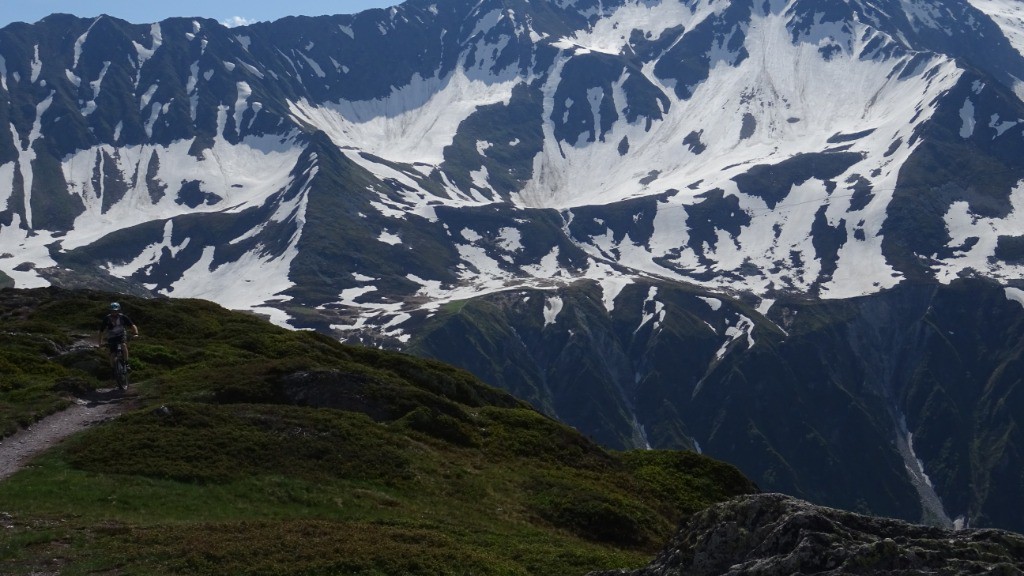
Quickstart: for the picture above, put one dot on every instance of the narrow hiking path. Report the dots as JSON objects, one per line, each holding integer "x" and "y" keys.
{"x": 17, "y": 450}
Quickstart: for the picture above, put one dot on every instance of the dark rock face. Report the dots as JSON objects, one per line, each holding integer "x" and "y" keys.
{"x": 772, "y": 534}
{"x": 828, "y": 401}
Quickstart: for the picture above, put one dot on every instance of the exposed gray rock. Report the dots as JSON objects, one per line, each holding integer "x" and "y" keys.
{"x": 769, "y": 534}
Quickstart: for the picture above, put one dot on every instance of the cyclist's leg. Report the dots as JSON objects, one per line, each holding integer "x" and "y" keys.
{"x": 112, "y": 345}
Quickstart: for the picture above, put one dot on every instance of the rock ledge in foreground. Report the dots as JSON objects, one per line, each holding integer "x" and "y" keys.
{"x": 773, "y": 534}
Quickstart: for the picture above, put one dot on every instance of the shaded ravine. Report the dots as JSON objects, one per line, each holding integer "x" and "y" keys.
{"x": 18, "y": 449}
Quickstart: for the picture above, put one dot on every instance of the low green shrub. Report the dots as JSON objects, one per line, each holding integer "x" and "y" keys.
{"x": 441, "y": 426}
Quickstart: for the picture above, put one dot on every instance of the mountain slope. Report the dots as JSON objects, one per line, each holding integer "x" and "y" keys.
{"x": 254, "y": 449}
{"x": 902, "y": 404}
{"x": 621, "y": 211}
{"x": 840, "y": 147}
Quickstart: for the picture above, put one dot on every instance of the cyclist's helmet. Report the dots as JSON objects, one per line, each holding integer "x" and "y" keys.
{"x": 115, "y": 306}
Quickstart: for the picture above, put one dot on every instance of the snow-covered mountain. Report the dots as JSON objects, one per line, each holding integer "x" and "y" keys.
{"x": 561, "y": 195}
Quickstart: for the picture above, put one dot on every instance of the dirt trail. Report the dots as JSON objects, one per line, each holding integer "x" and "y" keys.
{"x": 17, "y": 450}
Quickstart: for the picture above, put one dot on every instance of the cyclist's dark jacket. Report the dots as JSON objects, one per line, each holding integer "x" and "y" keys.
{"x": 116, "y": 327}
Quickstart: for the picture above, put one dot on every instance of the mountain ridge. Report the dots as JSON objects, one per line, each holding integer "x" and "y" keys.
{"x": 226, "y": 120}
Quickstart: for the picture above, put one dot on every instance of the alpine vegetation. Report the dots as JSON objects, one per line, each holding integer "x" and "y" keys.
{"x": 245, "y": 448}
{"x": 786, "y": 233}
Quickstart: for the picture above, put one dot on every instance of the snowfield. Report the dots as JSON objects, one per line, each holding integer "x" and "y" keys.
{"x": 780, "y": 89}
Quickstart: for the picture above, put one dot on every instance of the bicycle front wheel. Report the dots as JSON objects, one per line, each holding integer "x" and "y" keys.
{"x": 121, "y": 374}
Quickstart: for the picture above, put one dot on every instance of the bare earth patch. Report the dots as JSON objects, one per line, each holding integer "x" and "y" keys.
{"x": 17, "y": 450}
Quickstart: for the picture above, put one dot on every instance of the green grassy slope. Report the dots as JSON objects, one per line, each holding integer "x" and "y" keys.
{"x": 250, "y": 449}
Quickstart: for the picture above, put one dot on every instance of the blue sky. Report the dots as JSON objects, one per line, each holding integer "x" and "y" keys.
{"x": 147, "y": 11}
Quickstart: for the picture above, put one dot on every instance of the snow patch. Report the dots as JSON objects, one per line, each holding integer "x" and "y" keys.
{"x": 37, "y": 65}
{"x": 743, "y": 327}
{"x": 412, "y": 124}
{"x": 611, "y": 34}
{"x": 1008, "y": 15}
{"x": 312, "y": 64}
{"x": 967, "y": 119}
{"x": 610, "y": 290}
{"x": 657, "y": 314}
{"x": 510, "y": 239}
{"x": 429, "y": 288}
{"x": 389, "y": 238}
{"x": 150, "y": 255}
{"x": 142, "y": 53}
{"x": 714, "y": 303}
{"x": 926, "y": 14}
{"x": 552, "y": 308}
{"x": 547, "y": 268}
{"x": 974, "y": 240}
{"x": 1015, "y": 294}
{"x": 1000, "y": 127}
{"x": 349, "y": 295}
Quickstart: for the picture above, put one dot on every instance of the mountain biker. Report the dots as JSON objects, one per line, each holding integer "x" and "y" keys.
{"x": 115, "y": 325}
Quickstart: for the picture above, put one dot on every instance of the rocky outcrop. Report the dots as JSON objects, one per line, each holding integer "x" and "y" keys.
{"x": 773, "y": 534}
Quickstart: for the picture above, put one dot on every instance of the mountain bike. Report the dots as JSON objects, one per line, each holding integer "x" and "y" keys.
{"x": 121, "y": 366}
